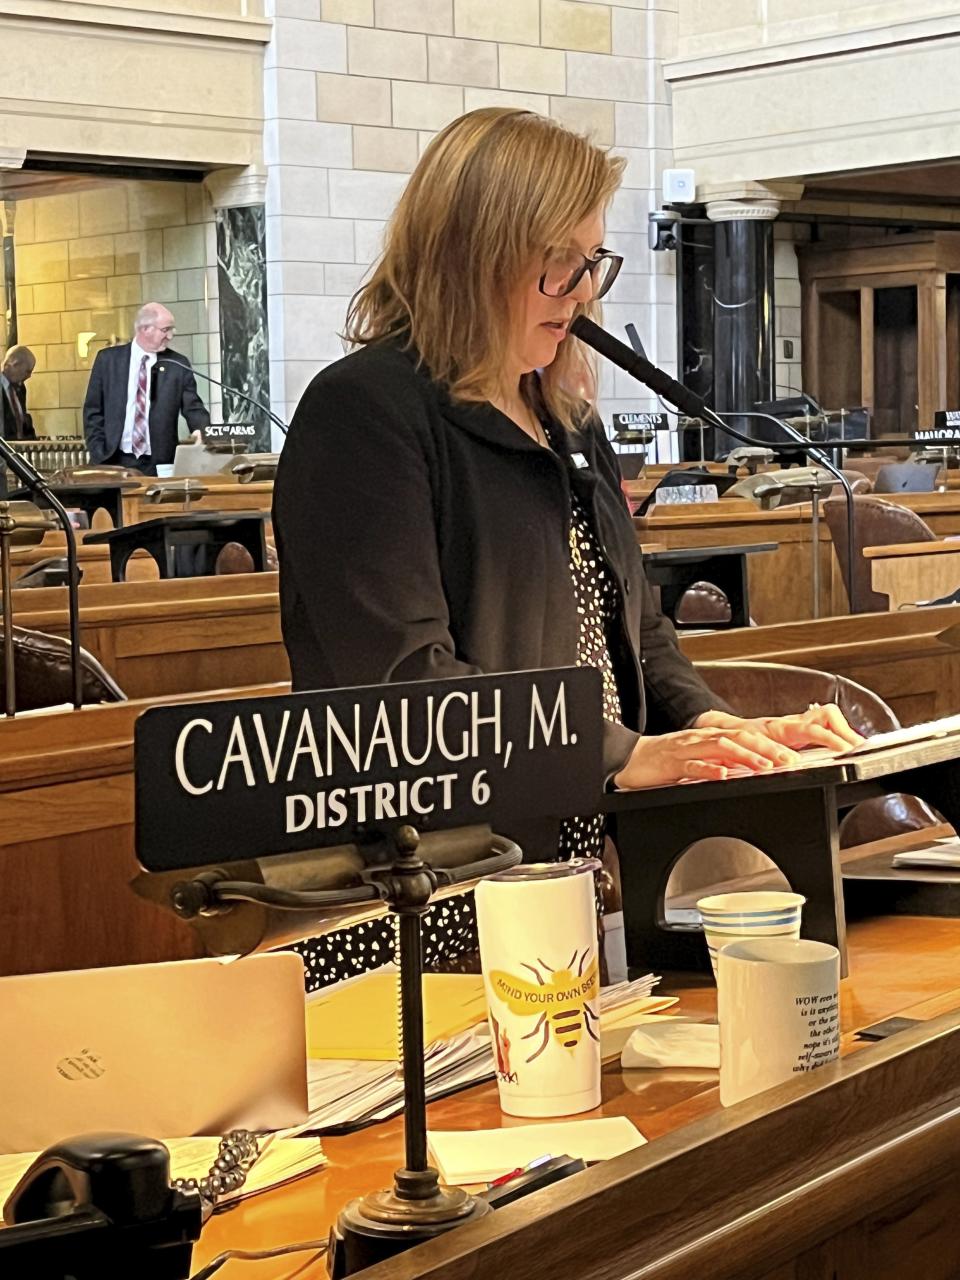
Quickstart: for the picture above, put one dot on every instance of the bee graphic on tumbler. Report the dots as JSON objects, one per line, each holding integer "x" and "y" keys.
{"x": 560, "y": 997}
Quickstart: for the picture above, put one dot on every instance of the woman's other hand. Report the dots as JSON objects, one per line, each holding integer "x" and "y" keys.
{"x": 818, "y": 726}
{"x": 720, "y": 742}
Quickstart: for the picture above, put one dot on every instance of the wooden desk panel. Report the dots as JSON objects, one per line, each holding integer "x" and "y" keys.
{"x": 815, "y": 1179}
{"x": 222, "y": 495}
{"x": 781, "y": 584}
{"x": 914, "y": 571}
{"x": 174, "y": 636}
{"x": 897, "y": 655}
{"x": 67, "y": 840}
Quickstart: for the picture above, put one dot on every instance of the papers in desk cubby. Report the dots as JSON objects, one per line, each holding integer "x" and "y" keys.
{"x": 941, "y": 853}
{"x": 345, "y": 1093}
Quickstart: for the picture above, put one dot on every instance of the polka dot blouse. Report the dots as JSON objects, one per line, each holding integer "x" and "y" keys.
{"x": 450, "y": 927}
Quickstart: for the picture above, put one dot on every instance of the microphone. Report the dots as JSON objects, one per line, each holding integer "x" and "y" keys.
{"x": 690, "y": 403}
{"x": 277, "y": 422}
{"x": 639, "y": 367}
{"x": 28, "y": 475}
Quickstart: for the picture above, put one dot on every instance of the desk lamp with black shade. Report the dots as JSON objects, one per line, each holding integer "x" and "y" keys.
{"x": 297, "y": 814}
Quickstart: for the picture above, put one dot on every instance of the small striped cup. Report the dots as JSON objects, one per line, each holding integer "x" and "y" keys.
{"x": 728, "y": 917}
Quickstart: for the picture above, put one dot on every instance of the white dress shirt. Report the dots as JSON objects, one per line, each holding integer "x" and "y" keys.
{"x": 136, "y": 355}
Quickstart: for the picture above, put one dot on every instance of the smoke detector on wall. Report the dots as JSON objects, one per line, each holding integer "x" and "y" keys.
{"x": 679, "y": 186}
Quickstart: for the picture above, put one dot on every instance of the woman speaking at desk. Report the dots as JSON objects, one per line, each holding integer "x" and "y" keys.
{"x": 447, "y": 503}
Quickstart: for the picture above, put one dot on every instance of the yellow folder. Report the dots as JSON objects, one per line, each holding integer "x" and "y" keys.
{"x": 361, "y": 1019}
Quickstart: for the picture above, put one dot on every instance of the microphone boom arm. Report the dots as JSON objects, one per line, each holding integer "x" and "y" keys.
{"x": 274, "y": 418}
{"x": 34, "y": 481}
{"x": 661, "y": 384}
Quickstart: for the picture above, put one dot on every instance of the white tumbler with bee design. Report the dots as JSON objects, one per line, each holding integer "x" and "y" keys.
{"x": 541, "y": 971}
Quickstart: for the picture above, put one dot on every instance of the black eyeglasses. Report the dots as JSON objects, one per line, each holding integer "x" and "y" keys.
{"x": 564, "y": 269}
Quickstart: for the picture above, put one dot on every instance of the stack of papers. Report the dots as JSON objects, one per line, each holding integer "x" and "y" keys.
{"x": 944, "y": 852}
{"x": 353, "y": 1072}
{"x": 282, "y": 1159}
{"x": 483, "y": 1155}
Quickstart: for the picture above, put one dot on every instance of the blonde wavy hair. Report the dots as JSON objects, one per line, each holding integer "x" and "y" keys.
{"x": 493, "y": 193}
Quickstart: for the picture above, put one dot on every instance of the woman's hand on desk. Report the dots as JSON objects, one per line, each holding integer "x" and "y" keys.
{"x": 704, "y": 752}
{"x": 818, "y": 726}
{"x": 719, "y": 742}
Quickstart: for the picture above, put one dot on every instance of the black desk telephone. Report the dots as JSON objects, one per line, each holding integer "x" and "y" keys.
{"x": 99, "y": 1206}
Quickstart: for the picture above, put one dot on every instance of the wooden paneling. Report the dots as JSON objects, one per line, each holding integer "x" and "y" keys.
{"x": 914, "y": 571}
{"x": 67, "y": 844}
{"x": 898, "y": 655}
{"x": 781, "y": 582}
{"x": 172, "y": 636}
{"x": 902, "y": 361}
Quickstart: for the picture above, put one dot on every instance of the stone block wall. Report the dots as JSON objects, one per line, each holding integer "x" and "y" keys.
{"x": 789, "y": 370}
{"x": 86, "y": 258}
{"x": 354, "y": 90}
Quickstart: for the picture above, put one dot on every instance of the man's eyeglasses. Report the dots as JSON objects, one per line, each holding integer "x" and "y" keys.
{"x": 564, "y": 269}
{"x": 165, "y": 328}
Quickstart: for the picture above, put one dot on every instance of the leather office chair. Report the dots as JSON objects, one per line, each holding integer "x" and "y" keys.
{"x": 234, "y": 558}
{"x": 703, "y": 605}
{"x": 768, "y": 688}
{"x": 878, "y": 524}
{"x": 43, "y": 675}
{"x": 776, "y": 689}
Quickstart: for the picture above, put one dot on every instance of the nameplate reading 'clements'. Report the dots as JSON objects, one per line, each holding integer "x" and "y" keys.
{"x": 224, "y": 781}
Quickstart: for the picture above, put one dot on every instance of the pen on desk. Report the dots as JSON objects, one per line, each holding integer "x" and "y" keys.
{"x": 515, "y": 1173}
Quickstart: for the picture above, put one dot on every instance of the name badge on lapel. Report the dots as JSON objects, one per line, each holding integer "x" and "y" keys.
{"x": 579, "y": 461}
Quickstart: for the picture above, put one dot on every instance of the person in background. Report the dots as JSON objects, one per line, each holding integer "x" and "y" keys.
{"x": 16, "y": 370}
{"x": 136, "y": 394}
{"x": 447, "y": 502}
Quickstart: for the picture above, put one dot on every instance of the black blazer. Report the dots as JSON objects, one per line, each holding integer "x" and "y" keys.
{"x": 173, "y": 390}
{"x": 8, "y": 423}
{"x": 421, "y": 539}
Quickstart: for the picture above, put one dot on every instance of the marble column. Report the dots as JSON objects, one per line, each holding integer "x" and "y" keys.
{"x": 238, "y": 200}
{"x": 731, "y": 290}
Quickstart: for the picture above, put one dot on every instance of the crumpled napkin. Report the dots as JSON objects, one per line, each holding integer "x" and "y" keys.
{"x": 673, "y": 1043}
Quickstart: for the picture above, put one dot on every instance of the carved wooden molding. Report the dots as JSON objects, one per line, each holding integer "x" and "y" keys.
{"x": 140, "y": 18}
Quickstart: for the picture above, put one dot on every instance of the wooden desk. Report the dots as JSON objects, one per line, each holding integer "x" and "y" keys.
{"x": 898, "y": 655}
{"x": 66, "y": 843}
{"x": 173, "y": 636}
{"x": 849, "y": 1172}
{"x": 94, "y": 560}
{"x": 222, "y": 495}
{"x": 674, "y": 571}
{"x": 66, "y": 780}
{"x": 714, "y": 524}
{"x": 914, "y": 571}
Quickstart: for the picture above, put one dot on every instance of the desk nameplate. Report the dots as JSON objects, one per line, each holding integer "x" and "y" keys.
{"x": 246, "y": 778}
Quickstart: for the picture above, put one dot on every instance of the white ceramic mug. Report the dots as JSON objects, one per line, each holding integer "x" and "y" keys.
{"x": 762, "y": 914}
{"x": 541, "y": 970}
{"x": 779, "y": 1012}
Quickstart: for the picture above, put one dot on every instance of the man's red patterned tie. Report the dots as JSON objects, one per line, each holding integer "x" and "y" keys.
{"x": 140, "y": 444}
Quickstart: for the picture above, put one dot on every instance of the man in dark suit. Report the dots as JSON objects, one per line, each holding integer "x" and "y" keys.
{"x": 136, "y": 394}
{"x": 15, "y": 422}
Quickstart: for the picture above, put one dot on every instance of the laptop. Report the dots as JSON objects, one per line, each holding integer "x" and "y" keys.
{"x": 162, "y": 1050}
